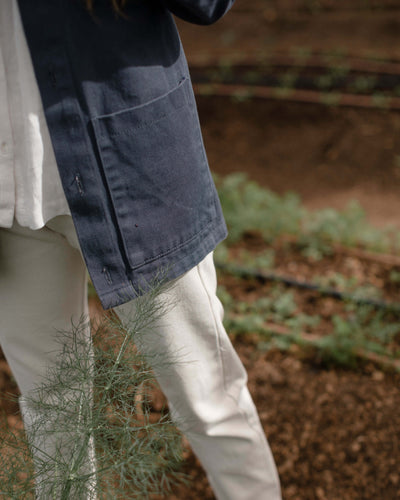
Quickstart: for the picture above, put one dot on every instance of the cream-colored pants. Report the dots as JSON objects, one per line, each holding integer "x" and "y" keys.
{"x": 43, "y": 288}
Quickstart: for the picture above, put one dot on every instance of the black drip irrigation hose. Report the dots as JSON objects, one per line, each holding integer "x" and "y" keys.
{"x": 313, "y": 82}
{"x": 247, "y": 273}
{"x": 301, "y": 81}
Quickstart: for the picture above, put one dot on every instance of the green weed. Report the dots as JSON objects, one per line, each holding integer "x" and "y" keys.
{"x": 394, "y": 276}
{"x": 90, "y": 431}
{"x": 359, "y": 328}
{"x": 247, "y": 206}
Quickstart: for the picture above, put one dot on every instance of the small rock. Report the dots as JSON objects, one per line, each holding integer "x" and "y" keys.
{"x": 267, "y": 372}
{"x": 378, "y": 376}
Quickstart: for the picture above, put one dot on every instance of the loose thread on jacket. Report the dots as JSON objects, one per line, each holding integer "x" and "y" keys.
{"x": 107, "y": 275}
{"x": 79, "y": 184}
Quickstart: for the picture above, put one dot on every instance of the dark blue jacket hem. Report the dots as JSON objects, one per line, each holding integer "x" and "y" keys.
{"x": 169, "y": 268}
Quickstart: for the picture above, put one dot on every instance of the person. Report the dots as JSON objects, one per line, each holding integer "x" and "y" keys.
{"x": 103, "y": 169}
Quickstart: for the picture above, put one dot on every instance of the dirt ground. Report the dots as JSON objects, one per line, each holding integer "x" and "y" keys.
{"x": 258, "y": 27}
{"x": 327, "y": 155}
{"x": 334, "y": 433}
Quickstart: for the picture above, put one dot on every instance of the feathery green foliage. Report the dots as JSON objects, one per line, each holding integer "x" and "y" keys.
{"x": 248, "y": 207}
{"x": 90, "y": 427}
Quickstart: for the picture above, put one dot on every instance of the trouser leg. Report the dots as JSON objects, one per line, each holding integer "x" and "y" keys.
{"x": 205, "y": 383}
{"x": 42, "y": 291}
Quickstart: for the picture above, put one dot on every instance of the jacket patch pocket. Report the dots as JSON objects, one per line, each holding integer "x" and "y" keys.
{"x": 157, "y": 174}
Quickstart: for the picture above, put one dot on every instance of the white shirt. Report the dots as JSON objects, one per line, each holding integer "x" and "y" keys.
{"x": 30, "y": 185}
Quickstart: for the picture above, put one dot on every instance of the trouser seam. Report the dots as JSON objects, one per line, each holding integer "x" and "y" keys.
{"x": 218, "y": 340}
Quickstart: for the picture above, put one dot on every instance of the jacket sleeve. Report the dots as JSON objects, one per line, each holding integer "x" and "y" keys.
{"x": 199, "y": 11}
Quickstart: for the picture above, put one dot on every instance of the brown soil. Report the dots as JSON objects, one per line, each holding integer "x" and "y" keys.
{"x": 265, "y": 26}
{"x": 327, "y": 155}
{"x": 334, "y": 434}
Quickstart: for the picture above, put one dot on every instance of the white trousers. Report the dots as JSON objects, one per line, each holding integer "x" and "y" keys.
{"x": 43, "y": 287}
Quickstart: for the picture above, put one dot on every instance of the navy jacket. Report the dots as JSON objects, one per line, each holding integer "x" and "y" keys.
{"x": 122, "y": 118}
